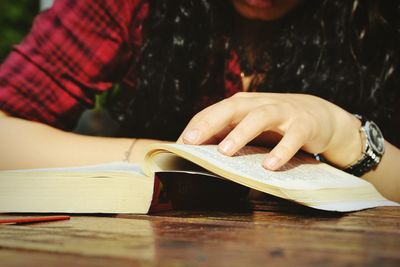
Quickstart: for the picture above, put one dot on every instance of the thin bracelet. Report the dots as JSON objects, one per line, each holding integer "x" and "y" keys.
{"x": 129, "y": 151}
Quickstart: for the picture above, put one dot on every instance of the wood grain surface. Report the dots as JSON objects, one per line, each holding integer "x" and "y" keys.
{"x": 267, "y": 233}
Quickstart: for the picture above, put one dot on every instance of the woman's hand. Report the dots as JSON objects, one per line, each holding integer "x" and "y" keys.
{"x": 293, "y": 121}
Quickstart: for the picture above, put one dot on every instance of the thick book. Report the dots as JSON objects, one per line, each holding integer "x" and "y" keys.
{"x": 172, "y": 172}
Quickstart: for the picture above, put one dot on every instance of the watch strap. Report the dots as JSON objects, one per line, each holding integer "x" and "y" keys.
{"x": 370, "y": 158}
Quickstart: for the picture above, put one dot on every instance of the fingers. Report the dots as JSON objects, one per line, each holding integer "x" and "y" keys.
{"x": 202, "y": 128}
{"x": 270, "y": 117}
{"x": 241, "y": 119}
{"x": 292, "y": 141}
{"x": 256, "y": 122}
{"x": 213, "y": 120}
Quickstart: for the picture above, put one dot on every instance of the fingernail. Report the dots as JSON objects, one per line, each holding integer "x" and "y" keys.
{"x": 271, "y": 162}
{"x": 226, "y": 146}
{"x": 191, "y": 136}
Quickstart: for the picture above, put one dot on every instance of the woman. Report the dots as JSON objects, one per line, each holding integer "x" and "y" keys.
{"x": 288, "y": 73}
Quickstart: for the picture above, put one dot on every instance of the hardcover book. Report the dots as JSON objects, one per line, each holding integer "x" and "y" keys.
{"x": 190, "y": 175}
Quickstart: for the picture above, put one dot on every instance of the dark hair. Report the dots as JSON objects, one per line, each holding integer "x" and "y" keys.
{"x": 344, "y": 51}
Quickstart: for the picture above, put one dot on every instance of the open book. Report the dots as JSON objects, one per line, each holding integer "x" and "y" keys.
{"x": 127, "y": 188}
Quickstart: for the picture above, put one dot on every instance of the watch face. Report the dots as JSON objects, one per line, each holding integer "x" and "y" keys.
{"x": 375, "y": 137}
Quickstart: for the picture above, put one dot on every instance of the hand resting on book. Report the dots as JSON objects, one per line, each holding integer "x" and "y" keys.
{"x": 302, "y": 121}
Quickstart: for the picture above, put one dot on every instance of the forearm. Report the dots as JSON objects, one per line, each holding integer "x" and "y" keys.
{"x": 386, "y": 176}
{"x": 26, "y": 144}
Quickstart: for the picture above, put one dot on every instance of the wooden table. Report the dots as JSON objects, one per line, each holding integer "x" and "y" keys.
{"x": 269, "y": 234}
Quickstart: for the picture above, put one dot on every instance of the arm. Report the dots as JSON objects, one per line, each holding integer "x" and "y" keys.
{"x": 386, "y": 176}
{"x": 27, "y": 144}
{"x": 74, "y": 50}
{"x": 299, "y": 122}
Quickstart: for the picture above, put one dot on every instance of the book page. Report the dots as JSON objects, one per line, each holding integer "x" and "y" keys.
{"x": 300, "y": 173}
{"x": 303, "y": 179}
{"x": 118, "y": 166}
{"x": 105, "y": 188}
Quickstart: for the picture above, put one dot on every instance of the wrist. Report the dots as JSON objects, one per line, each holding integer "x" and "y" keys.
{"x": 348, "y": 143}
{"x": 373, "y": 150}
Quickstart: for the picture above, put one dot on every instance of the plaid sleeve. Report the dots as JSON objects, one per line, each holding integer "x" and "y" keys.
{"x": 75, "y": 49}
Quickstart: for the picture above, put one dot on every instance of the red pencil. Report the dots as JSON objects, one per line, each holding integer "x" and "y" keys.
{"x": 34, "y": 219}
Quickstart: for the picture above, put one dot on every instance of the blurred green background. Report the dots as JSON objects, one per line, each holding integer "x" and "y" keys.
{"x": 16, "y": 18}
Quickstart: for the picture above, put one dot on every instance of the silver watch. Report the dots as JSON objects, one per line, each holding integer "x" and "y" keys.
{"x": 374, "y": 148}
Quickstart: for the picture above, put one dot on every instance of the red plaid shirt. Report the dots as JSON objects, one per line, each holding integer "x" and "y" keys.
{"x": 75, "y": 50}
